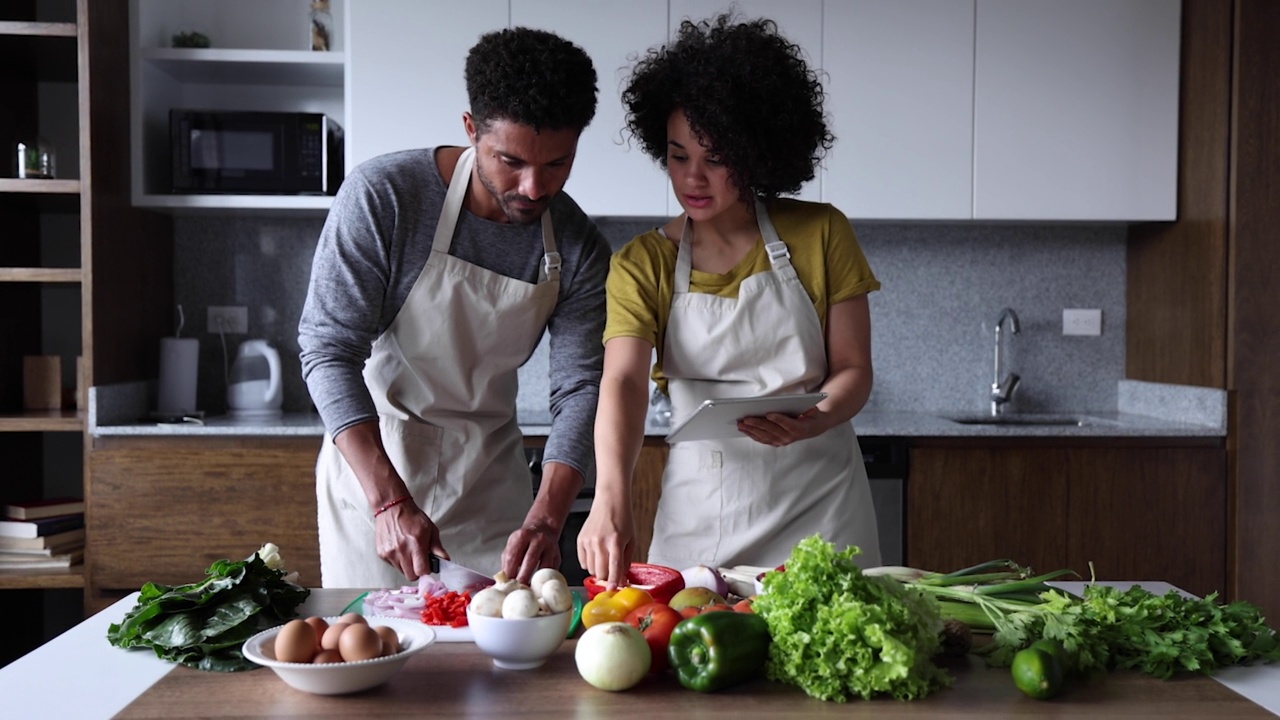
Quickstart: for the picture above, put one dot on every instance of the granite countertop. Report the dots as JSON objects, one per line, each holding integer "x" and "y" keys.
{"x": 1144, "y": 410}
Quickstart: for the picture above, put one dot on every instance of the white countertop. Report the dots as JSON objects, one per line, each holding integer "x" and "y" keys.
{"x": 80, "y": 676}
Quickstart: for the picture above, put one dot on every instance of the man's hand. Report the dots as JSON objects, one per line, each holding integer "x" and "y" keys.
{"x": 406, "y": 538}
{"x": 528, "y": 549}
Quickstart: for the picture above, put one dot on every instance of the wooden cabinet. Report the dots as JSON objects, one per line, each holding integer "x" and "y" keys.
{"x": 1075, "y": 111}
{"x": 899, "y": 83}
{"x": 646, "y": 489}
{"x": 1136, "y": 510}
{"x": 164, "y": 509}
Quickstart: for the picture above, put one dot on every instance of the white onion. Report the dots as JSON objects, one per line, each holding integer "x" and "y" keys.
{"x": 612, "y": 656}
{"x": 707, "y": 577}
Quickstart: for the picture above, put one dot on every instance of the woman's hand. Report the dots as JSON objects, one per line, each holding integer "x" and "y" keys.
{"x": 605, "y": 543}
{"x": 779, "y": 430}
{"x": 406, "y": 538}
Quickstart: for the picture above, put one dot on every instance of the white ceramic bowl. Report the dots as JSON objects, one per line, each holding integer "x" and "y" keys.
{"x": 344, "y": 677}
{"x": 519, "y": 643}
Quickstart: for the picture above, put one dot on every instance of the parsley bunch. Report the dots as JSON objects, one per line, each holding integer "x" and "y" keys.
{"x": 1160, "y": 635}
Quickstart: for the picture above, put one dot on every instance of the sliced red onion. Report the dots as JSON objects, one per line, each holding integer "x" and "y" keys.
{"x": 406, "y": 602}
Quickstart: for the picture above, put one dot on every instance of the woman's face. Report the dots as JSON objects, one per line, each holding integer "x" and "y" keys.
{"x": 699, "y": 177}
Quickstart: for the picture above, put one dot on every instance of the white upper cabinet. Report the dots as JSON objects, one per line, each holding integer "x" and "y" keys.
{"x": 800, "y": 21}
{"x": 1076, "y": 109}
{"x": 405, "y": 72}
{"x": 899, "y": 83}
{"x": 611, "y": 174}
{"x": 265, "y": 64}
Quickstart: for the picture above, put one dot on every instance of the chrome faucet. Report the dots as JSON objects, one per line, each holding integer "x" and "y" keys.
{"x": 1002, "y": 388}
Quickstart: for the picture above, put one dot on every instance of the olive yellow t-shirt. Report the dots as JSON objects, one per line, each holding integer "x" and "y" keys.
{"x": 824, "y": 252}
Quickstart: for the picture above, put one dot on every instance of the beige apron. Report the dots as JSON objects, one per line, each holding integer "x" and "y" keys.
{"x": 443, "y": 377}
{"x": 739, "y": 502}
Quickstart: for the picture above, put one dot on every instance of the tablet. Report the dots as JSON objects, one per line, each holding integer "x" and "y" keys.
{"x": 717, "y": 419}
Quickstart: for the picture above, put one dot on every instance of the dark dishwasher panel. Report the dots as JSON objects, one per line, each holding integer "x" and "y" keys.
{"x": 569, "y": 567}
{"x": 886, "y": 463}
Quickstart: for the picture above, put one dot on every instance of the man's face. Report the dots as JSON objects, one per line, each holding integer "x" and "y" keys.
{"x": 519, "y": 169}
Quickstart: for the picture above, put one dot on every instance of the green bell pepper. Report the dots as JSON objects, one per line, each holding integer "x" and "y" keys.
{"x": 718, "y": 649}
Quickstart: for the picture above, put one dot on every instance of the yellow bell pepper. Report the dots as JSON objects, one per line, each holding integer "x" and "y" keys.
{"x": 613, "y": 605}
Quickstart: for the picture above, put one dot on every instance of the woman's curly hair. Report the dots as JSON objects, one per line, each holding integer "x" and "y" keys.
{"x": 748, "y": 94}
{"x": 531, "y": 77}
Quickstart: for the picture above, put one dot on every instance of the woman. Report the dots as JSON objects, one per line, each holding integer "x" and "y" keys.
{"x": 743, "y": 294}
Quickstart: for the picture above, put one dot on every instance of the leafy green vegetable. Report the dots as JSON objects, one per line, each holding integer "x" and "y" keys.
{"x": 1160, "y": 635}
{"x": 203, "y": 625}
{"x": 838, "y": 633}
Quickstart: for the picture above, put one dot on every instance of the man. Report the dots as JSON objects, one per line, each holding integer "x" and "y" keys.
{"x": 435, "y": 276}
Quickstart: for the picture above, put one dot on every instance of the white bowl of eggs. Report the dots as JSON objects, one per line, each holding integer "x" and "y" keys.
{"x": 519, "y": 627}
{"x": 337, "y": 655}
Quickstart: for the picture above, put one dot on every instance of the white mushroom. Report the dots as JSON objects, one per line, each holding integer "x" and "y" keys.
{"x": 488, "y": 602}
{"x": 555, "y": 593}
{"x": 520, "y": 604}
{"x": 542, "y": 576}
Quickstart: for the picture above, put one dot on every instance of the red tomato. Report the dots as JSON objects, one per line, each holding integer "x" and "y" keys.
{"x": 660, "y": 581}
{"x": 655, "y": 621}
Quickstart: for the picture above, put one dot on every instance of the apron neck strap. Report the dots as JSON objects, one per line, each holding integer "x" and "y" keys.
{"x": 779, "y": 255}
{"x": 453, "y": 201}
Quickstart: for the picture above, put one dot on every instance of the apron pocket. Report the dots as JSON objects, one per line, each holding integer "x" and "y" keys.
{"x": 414, "y": 450}
{"x": 688, "y": 526}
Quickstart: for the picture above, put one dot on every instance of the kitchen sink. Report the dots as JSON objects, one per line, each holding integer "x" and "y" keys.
{"x": 1059, "y": 420}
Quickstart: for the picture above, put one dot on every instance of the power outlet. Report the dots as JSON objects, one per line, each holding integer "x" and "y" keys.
{"x": 229, "y": 319}
{"x": 1081, "y": 322}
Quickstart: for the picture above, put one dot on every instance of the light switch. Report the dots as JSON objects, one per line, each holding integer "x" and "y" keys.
{"x": 1076, "y": 321}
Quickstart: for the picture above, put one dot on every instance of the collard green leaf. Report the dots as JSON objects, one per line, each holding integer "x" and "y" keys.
{"x": 204, "y": 624}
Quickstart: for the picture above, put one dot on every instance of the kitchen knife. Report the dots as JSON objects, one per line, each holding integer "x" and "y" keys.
{"x": 458, "y": 578}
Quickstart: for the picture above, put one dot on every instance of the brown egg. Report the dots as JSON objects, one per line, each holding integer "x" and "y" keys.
{"x": 390, "y": 641}
{"x": 296, "y": 642}
{"x": 353, "y": 618}
{"x": 320, "y": 625}
{"x": 359, "y": 642}
{"x": 332, "y": 636}
{"x": 324, "y": 657}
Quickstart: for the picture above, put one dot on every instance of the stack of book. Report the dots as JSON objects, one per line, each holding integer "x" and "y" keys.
{"x": 42, "y": 534}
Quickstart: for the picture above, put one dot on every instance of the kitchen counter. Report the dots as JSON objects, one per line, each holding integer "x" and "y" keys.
{"x": 1143, "y": 410}
{"x": 79, "y": 675}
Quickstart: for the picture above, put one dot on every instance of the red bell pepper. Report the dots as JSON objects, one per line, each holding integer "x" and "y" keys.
{"x": 660, "y": 581}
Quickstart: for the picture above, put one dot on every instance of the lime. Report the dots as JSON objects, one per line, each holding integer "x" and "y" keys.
{"x": 1054, "y": 648}
{"x": 1037, "y": 673}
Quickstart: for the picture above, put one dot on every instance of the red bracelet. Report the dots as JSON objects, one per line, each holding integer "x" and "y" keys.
{"x": 393, "y": 503}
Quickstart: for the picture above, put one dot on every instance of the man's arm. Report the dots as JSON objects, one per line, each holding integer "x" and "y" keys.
{"x": 399, "y": 527}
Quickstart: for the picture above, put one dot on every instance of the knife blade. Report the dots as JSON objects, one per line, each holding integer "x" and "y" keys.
{"x": 457, "y": 577}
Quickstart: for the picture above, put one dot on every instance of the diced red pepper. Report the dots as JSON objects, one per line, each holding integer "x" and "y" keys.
{"x": 448, "y": 609}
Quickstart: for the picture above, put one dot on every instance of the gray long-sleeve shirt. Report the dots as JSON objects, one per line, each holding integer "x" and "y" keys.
{"x": 374, "y": 245}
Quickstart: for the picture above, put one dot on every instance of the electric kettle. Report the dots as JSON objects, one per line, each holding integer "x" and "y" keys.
{"x": 254, "y": 384}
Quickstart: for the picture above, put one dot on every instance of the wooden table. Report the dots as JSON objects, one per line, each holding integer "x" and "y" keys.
{"x": 454, "y": 680}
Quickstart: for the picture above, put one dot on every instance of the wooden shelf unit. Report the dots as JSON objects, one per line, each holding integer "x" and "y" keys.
{"x": 43, "y": 421}
{"x": 42, "y": 579}
{"x": 40, "y": 275}
{"x": 37, "y": 29}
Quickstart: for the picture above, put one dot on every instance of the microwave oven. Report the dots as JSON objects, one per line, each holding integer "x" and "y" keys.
{"x": 216, "y": 151}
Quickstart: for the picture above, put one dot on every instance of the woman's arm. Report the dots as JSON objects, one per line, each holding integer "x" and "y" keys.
{"x": 607, "y": 538}
{"x": 848, "y": 385}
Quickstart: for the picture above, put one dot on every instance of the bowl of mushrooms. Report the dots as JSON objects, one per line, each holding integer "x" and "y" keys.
{"x": 520, "y": 626}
